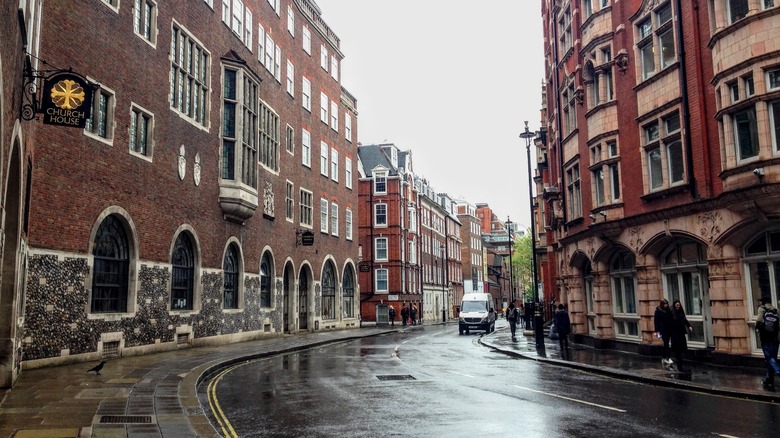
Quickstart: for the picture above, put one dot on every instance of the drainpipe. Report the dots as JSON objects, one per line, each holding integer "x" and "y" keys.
{"x": 556, "y": 85}
{"x": 685, "y": 101}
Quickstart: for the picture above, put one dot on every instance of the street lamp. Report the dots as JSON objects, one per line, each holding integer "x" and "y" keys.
{"x": 511, "y": 271}
{"x": 538, "y": 319}
{"x": 442, "y": 248}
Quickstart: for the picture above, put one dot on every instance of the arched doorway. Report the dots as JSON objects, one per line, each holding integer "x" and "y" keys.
{"x": 348, "y": 293}
{"x": 304, "y": 281}
{"x": 13, "y": 270}
{"x": 684, "y": 266}
{"x": 287, "y": 284}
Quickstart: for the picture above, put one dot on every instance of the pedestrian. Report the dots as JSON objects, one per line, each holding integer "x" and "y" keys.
{"x": 391, "y": 314}
{"x": 414, "y": 314}
{"x": 678, "y": 338}
{"x": 768, "y": 327}
{"x": 662, "y": 319}
{"x": 404, "y": 314}
{"x": 512, "y": 315}
{"x": 563, "y": 325}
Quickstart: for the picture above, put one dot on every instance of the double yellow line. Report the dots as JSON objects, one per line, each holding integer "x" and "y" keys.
{"x": 216, "y": 410}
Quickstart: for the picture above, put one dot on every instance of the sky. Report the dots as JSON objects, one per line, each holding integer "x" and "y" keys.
{"x": 453, "y": 81}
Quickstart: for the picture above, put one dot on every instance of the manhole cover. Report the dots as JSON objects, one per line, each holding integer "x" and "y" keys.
{"x": 395, "y": 377}
{"x": 126, "y": 419}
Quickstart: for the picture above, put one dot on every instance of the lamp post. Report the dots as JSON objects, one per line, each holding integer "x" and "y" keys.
{"x": 442, "y": 248}
{"x": 511, "y": 271}
{"x": 538, "y": 318}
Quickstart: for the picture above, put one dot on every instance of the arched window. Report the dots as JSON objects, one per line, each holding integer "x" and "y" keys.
{"x": 623, "y": 274}
{"x": 112, "y": 262}
{"x": 230, "y": 266}
{"x": 265, "y": 281}
{"x": 328, "y": 292}
{"x": 762, "y": 266}
{"x": 348, "y": 292}
{"x": 183, "y": 267}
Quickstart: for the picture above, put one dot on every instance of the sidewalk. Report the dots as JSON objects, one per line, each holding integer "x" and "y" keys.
{"x": 151, "y": 396}
{"x": 155, "y": 395}
{"x": 732, "y": 381}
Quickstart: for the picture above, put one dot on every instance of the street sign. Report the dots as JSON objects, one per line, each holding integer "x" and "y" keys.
{"x": 307, "y": 238}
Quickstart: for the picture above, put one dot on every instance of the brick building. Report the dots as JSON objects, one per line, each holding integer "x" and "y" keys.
{"x": 388, "y": 232}
{"x": 192, "y": 209}
{"x": 658, "y": 174}
{"x": 409, "y": 237}
{"x": 18, "y": 36}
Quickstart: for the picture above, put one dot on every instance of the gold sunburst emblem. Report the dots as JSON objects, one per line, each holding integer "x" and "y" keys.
{"x": 67, "y": 94}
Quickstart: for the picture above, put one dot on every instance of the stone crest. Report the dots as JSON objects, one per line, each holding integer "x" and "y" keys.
{"x": 268, "y": 199}
{"x": 196, "y": 170}
{"x": 182, "y": 163}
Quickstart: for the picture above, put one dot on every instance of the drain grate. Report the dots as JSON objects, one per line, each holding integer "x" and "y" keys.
{"x": 395, "y": 377}
{"x": 126, "y": 419}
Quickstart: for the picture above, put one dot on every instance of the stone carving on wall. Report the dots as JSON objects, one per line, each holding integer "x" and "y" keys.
{"x": 710, "y": 225}
{"x": 268, "y": 199}
{"x": 182, "y": 163}
{"x": 196, "y": 170}
{"x": 591, "y": 248}
{"x": 635, "y": 240}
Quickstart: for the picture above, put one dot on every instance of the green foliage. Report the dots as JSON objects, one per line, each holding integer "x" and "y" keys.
{"x": 522, "y": 265}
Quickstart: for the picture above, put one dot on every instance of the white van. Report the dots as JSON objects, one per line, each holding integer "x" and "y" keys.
{"x": 476, "y": 313}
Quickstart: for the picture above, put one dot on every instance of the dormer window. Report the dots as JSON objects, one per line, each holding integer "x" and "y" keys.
{"x": 380, "y": 182}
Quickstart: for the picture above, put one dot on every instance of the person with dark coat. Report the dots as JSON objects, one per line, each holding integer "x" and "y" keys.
{"x": 663, "y": 330}
{"x": 680, "y": 329}
{"x": 413, "y": 314}
{"x": 404, "y": 314}
{"x": 770, "y": 342}
{"x": 563, "y": 326}
{"x": 391, "y": 315}
{"x": 512, "y": 315}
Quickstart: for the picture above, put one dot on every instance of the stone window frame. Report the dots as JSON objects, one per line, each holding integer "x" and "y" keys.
{"x": 622, "y": 274}
{"x": 197, "y": 288}
{"x": 650, "y": 33}
{"x": 146, "y": 17}
{"x": 348, "y": 291}
{"x": 233, "y": 249}
{"x": 132, "y": 274}
{"x": 139, "y": 114}
{"x": 657, "y": 137}
{"x": 105, "y": 113}
{"x": 329, "y": 285}
{"x": 267, "y": 275}
{"x": 196, "y": 114}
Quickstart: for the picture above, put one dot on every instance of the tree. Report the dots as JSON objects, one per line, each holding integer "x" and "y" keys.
{"x": 522, "y": 265}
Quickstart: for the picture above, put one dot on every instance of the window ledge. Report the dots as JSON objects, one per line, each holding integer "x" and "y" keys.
{"x": 663, "y": 193}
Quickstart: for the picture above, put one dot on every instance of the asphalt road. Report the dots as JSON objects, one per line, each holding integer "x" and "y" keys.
{"x": 431, "y": 382}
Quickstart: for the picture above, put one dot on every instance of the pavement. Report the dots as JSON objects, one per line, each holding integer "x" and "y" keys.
{"x": 155, "y": 395}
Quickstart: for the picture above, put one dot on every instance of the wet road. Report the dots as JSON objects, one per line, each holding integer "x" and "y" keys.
{"x": 432, "y": 382}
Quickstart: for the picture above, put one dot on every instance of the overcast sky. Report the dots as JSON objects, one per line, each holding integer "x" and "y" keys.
{"x": 452, "y": 81}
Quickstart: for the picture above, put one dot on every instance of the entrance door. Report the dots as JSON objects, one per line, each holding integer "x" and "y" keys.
{"x": 689, "y": 287}
{"x": 286, "y": 306}
{"x": 303, "y": 300}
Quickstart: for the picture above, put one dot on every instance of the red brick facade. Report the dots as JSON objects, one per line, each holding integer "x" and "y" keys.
{"x": 179, "y": 186}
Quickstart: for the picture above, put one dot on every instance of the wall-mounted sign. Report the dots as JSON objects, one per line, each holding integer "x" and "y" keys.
{"x": 66, "y": 100}
{"x": 307, "y": 238}
{"x": 364, "y": 267}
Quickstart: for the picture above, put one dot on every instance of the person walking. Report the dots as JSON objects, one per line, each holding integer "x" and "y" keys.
{"x": 563, "y": 326}
{"x": 414, "y": 314}
{"x": 680, "y": 329}
{"x": 391, "y": 314}
{"x": 662, "y": 319}
{"x": 511, "y": 316}
{"x": 768, "y": 327}
{"x": 404, "y": 314}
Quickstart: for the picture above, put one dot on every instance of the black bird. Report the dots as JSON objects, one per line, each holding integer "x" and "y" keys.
{"x": 97, "y": 367}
